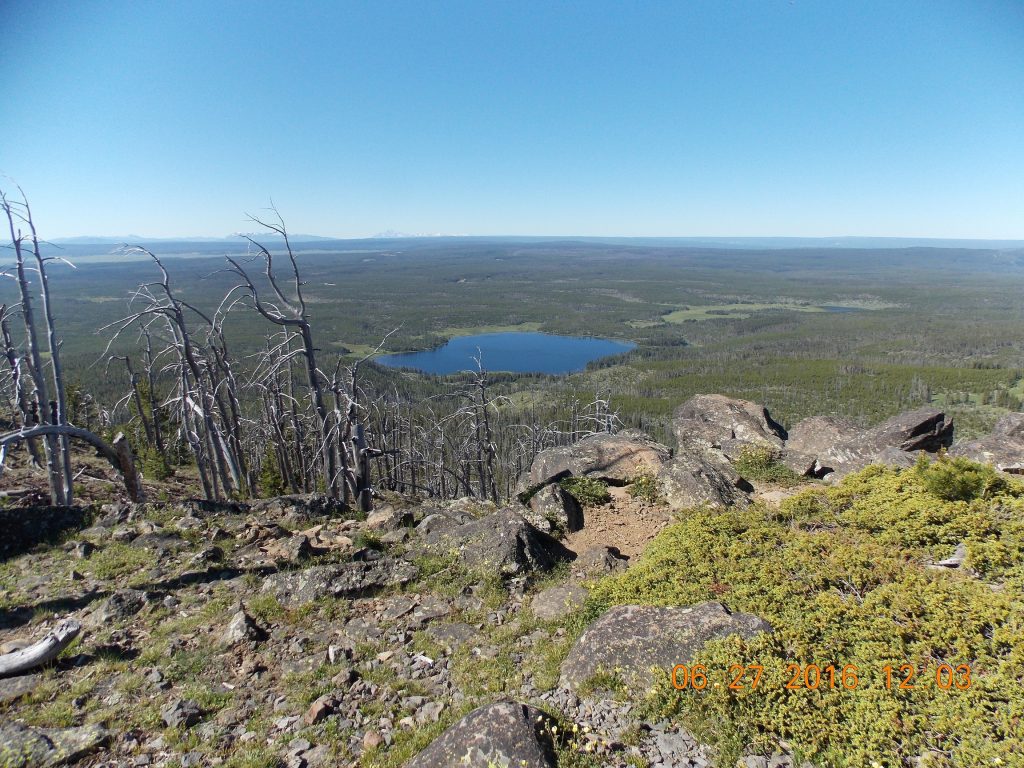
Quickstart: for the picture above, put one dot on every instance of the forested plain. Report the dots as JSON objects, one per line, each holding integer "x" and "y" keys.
{"x": 858, "y": 333}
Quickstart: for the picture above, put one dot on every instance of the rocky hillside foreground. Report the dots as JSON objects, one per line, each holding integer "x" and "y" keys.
{"x": 290, "y": 632}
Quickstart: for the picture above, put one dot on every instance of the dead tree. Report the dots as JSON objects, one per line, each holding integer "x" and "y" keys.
{"x": 292, "y": 313}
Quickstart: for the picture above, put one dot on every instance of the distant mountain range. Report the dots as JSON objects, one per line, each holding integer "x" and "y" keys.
{"x": 741, "y": 243}
{"x": 130, "y": 239}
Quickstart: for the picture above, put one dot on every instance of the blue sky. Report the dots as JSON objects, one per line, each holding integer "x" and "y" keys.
{"x": 695, "y": 117}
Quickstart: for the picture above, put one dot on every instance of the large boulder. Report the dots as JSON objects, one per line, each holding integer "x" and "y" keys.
{"x": 354, "y": 579}
{"x": 817, "y": 435}
{"x": 700, "y": 478}
{"x": 505, "y": 734}
{"x": 1011, "y": 425}
{"x": 502, "y": 540}
{"x": 618, "y": 458}
{"x": 1003, "y": 449}
{"x": 924, "y": 429}
{"x": 714, "y": 420}
{"x": 629, "y": 640}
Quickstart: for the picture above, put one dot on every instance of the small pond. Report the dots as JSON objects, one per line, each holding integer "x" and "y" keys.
{"x": 519, "y": 352}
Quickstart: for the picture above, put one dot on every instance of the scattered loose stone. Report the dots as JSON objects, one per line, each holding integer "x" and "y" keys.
{"x": 181, "y": 713}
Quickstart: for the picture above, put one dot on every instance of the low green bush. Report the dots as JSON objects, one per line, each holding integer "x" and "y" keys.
{"x": 644, "y": 486}
{"x": 842, "y": 575}
{"x": 959, "y": 479}
{"x": 588, "y": 491}
{"x": 763, "y": 462}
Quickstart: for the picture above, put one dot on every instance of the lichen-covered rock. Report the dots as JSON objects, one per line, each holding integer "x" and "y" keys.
{"x": 710, "y": 420}
{"x": 816, "y": 435}
{"x": 618, "y": 458}
{"x": 119, "y": 606}
{"x": 556, "y": 602}
{"x": 629, "y": 640}
{"x": 1003, "y": 449}
{"x": 24, "y": 747}
{"x": 354, "y": 579}
{"x": 697, "y": 478}
{"x": 556, "y": 506}
{"x": 599, "y": 561}
{"x": 924, "y": 429}
{"x": 503, "y": 540}
{"x": 506, "y": 734}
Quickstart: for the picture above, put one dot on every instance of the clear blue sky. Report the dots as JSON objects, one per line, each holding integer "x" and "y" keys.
{"x": 691, "y": 117}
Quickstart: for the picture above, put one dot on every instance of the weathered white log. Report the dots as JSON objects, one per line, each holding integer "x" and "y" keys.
{"x": 41, "y": 652}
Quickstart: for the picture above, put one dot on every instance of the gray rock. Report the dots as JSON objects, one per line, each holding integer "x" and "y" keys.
{"x": 504, "y": 735}
{"x": 710, "y": 420}
{"x": 924, "y": 429}
{"x": 1003, "y": 449}
{"x": 557, "y": 506}
{"x": 1011, "y": 425}
{"x": 442, "y": 520}
{"x": 12, "y": 688}
{"x": 557, "y": 602}
{"x": 696, "y": 478}
{"x": 630, "y": 639}
{"x": 181, "y": 713}
{"x": 160, "y": 542}
{"x": 894, "y": 457}
{"x": 816, "y": 435}
{"x": 956, "y": 559}
{"x": 24, "y": 747}
{"x": 502, "y": 540}
{"x": 355, "y": 579}
{"x": 599, "y": 561}
{"x": 618, "y": 458}
{"x": 452, "y": 635}
{"x": 121, "y": 605}
{"x": 388, "y": 519}
{"x": 241, "y": 629}
{"x": 299, "y": 507}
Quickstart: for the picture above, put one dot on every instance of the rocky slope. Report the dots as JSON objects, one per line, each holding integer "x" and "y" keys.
{"x": 290, "y": 632}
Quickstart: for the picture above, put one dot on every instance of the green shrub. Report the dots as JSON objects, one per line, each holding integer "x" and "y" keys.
{"x": 959, "y": 479}
{"x": 644, "y": 486}
{"x": 760, "y": 461}
{"x": 841, "y": 575}
{"x": 588, "y": 491}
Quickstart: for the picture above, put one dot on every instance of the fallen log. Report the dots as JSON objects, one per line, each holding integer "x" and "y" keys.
{"x": 118, "y": 453}
{"x": 41, "y": 652}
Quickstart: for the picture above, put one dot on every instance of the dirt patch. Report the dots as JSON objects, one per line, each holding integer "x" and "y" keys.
{"x": 626, "y": 523}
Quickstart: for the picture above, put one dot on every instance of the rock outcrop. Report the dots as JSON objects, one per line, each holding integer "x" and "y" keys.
{"x": 617, "y": 458}
{"x": 630, "y": 639}
{"x": 506, "y": 734}
{"x": 697, "y": 478}
{"x": 1003, "y": 449}
{"x": 354, "y": 579}
{"x": 503, "y": 540}
{"x": 824, "y": 446}
{"x": 717, "y": 420}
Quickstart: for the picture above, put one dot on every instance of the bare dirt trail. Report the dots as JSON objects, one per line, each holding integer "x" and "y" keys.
{"x": 625, "y": 523}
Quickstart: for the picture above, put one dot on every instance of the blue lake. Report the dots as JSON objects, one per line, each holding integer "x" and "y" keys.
{"x": 519, "y": 352}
